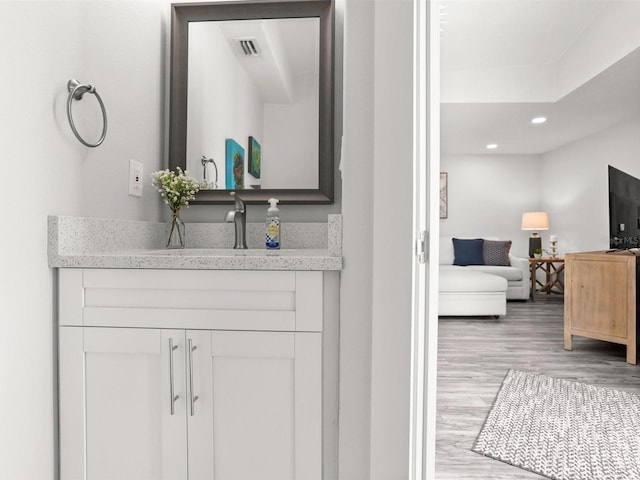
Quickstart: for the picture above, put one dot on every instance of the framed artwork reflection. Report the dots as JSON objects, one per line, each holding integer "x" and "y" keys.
{"x": 255, "y": 157}
{"x": 234, "y": 163}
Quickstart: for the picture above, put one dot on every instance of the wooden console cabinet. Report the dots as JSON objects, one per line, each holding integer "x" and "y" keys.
{"x": 601, "y": 298}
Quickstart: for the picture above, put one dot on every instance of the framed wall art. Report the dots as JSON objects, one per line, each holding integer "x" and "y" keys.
{"x": 443, "y": 195}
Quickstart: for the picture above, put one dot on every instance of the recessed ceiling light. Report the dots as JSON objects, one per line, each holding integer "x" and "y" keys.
{"x": 492, "y": 146}
{"x": 538, "y": 120}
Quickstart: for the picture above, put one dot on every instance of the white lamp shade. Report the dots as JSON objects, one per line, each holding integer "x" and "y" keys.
{"x": 535, "y": 221}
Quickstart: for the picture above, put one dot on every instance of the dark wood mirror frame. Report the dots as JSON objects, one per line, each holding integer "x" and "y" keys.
{"x": 181, "y": 15}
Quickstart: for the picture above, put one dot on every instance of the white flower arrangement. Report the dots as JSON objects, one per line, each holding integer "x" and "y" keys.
{"x": 176, "y": 188}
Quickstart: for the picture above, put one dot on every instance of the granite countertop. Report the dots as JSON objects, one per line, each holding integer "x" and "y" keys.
{"x": 76, "y": 242}
{"x": 205, "y": 259}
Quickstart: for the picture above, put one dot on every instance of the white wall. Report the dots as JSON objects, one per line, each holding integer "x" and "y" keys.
{"x": 488, "y": 194}
{"x": 575, "y": 185}
{"x": 393, "y": 252}
{"x": 291, "y": 160}
{"x": 117, "y": 46}
{"x": 356, "y": 279}
{"x": 377, "y": 208}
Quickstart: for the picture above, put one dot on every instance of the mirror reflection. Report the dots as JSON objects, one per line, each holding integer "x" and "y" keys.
{"x": 253, "y": 103}
{"x": 251, "y": 99}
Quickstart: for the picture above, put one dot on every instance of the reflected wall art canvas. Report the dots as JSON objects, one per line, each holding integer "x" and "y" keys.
{"x": 255, "y": 157}
{"x": 234, "y": 163}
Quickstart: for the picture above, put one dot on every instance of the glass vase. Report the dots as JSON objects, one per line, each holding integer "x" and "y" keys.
{"x": 176, "y": 231}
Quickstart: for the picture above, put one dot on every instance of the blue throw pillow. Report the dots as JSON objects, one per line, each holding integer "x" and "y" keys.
{"x": 468, "y": 251}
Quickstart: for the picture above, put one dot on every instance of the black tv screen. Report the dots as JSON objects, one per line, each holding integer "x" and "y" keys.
{"x": 624, "y": 210}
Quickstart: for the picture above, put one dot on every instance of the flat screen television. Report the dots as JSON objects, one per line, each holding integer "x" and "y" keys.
{"x": 624, "y": 210}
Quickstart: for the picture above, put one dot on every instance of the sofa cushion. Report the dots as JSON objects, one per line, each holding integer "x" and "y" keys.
{"x": 465, "y": 280}
{"x": 467, "y": 251}
{"x": 510, "y": 273}
{"x": 496, "y": 252}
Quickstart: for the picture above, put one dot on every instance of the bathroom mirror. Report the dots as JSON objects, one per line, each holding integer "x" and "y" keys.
{"x": 251, "y": 99}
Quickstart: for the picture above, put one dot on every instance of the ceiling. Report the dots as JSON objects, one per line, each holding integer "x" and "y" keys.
{"x": 287, "y": 48}
{"x": 504, "y": 62}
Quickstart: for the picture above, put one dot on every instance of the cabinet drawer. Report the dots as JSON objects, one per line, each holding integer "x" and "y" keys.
{"x": 196, "y": 299}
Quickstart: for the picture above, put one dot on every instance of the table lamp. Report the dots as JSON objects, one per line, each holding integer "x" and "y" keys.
{"x": 535, "y": 221}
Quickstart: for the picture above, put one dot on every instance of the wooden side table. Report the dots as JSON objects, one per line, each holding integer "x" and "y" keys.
{"x": 552, "y": 268}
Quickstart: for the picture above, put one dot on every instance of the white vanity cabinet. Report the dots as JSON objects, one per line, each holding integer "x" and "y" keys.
{"x": 195, "y": 374}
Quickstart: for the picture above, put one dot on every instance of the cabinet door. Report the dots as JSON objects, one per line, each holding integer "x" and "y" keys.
{"x": 116, "y": 416}
{"x": 602, "y": 297}
{"x": 258, "y": 411}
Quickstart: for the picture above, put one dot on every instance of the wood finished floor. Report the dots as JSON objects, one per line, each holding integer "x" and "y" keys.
{"x": 474, "y": 355}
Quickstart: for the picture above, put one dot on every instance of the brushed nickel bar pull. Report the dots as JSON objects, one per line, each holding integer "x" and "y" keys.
{"x": 193, "y": 397}
{"x": 174, "y": 397}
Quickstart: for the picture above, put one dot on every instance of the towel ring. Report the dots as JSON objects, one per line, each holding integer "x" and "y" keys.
{"x": 204, "y": 161}
{"x": 76, "y": 91}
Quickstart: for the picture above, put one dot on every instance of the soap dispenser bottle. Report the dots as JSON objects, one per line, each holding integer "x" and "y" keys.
{"x": 273, "y": 226}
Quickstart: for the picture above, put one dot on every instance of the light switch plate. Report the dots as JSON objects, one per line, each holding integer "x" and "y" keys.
{"x": 135, "y": 178}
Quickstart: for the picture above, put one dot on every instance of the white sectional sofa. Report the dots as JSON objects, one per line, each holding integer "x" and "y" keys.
{"x": 479, "y": 289}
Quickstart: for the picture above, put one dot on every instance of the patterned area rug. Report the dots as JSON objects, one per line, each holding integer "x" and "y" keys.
{"x": 563, "y": 430}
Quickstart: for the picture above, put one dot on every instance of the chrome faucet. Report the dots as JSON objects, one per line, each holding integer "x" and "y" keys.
{"x": 239, "y": 218}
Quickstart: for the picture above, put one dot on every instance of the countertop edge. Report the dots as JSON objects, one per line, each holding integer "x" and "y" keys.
{"x": 198, "y": 262}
